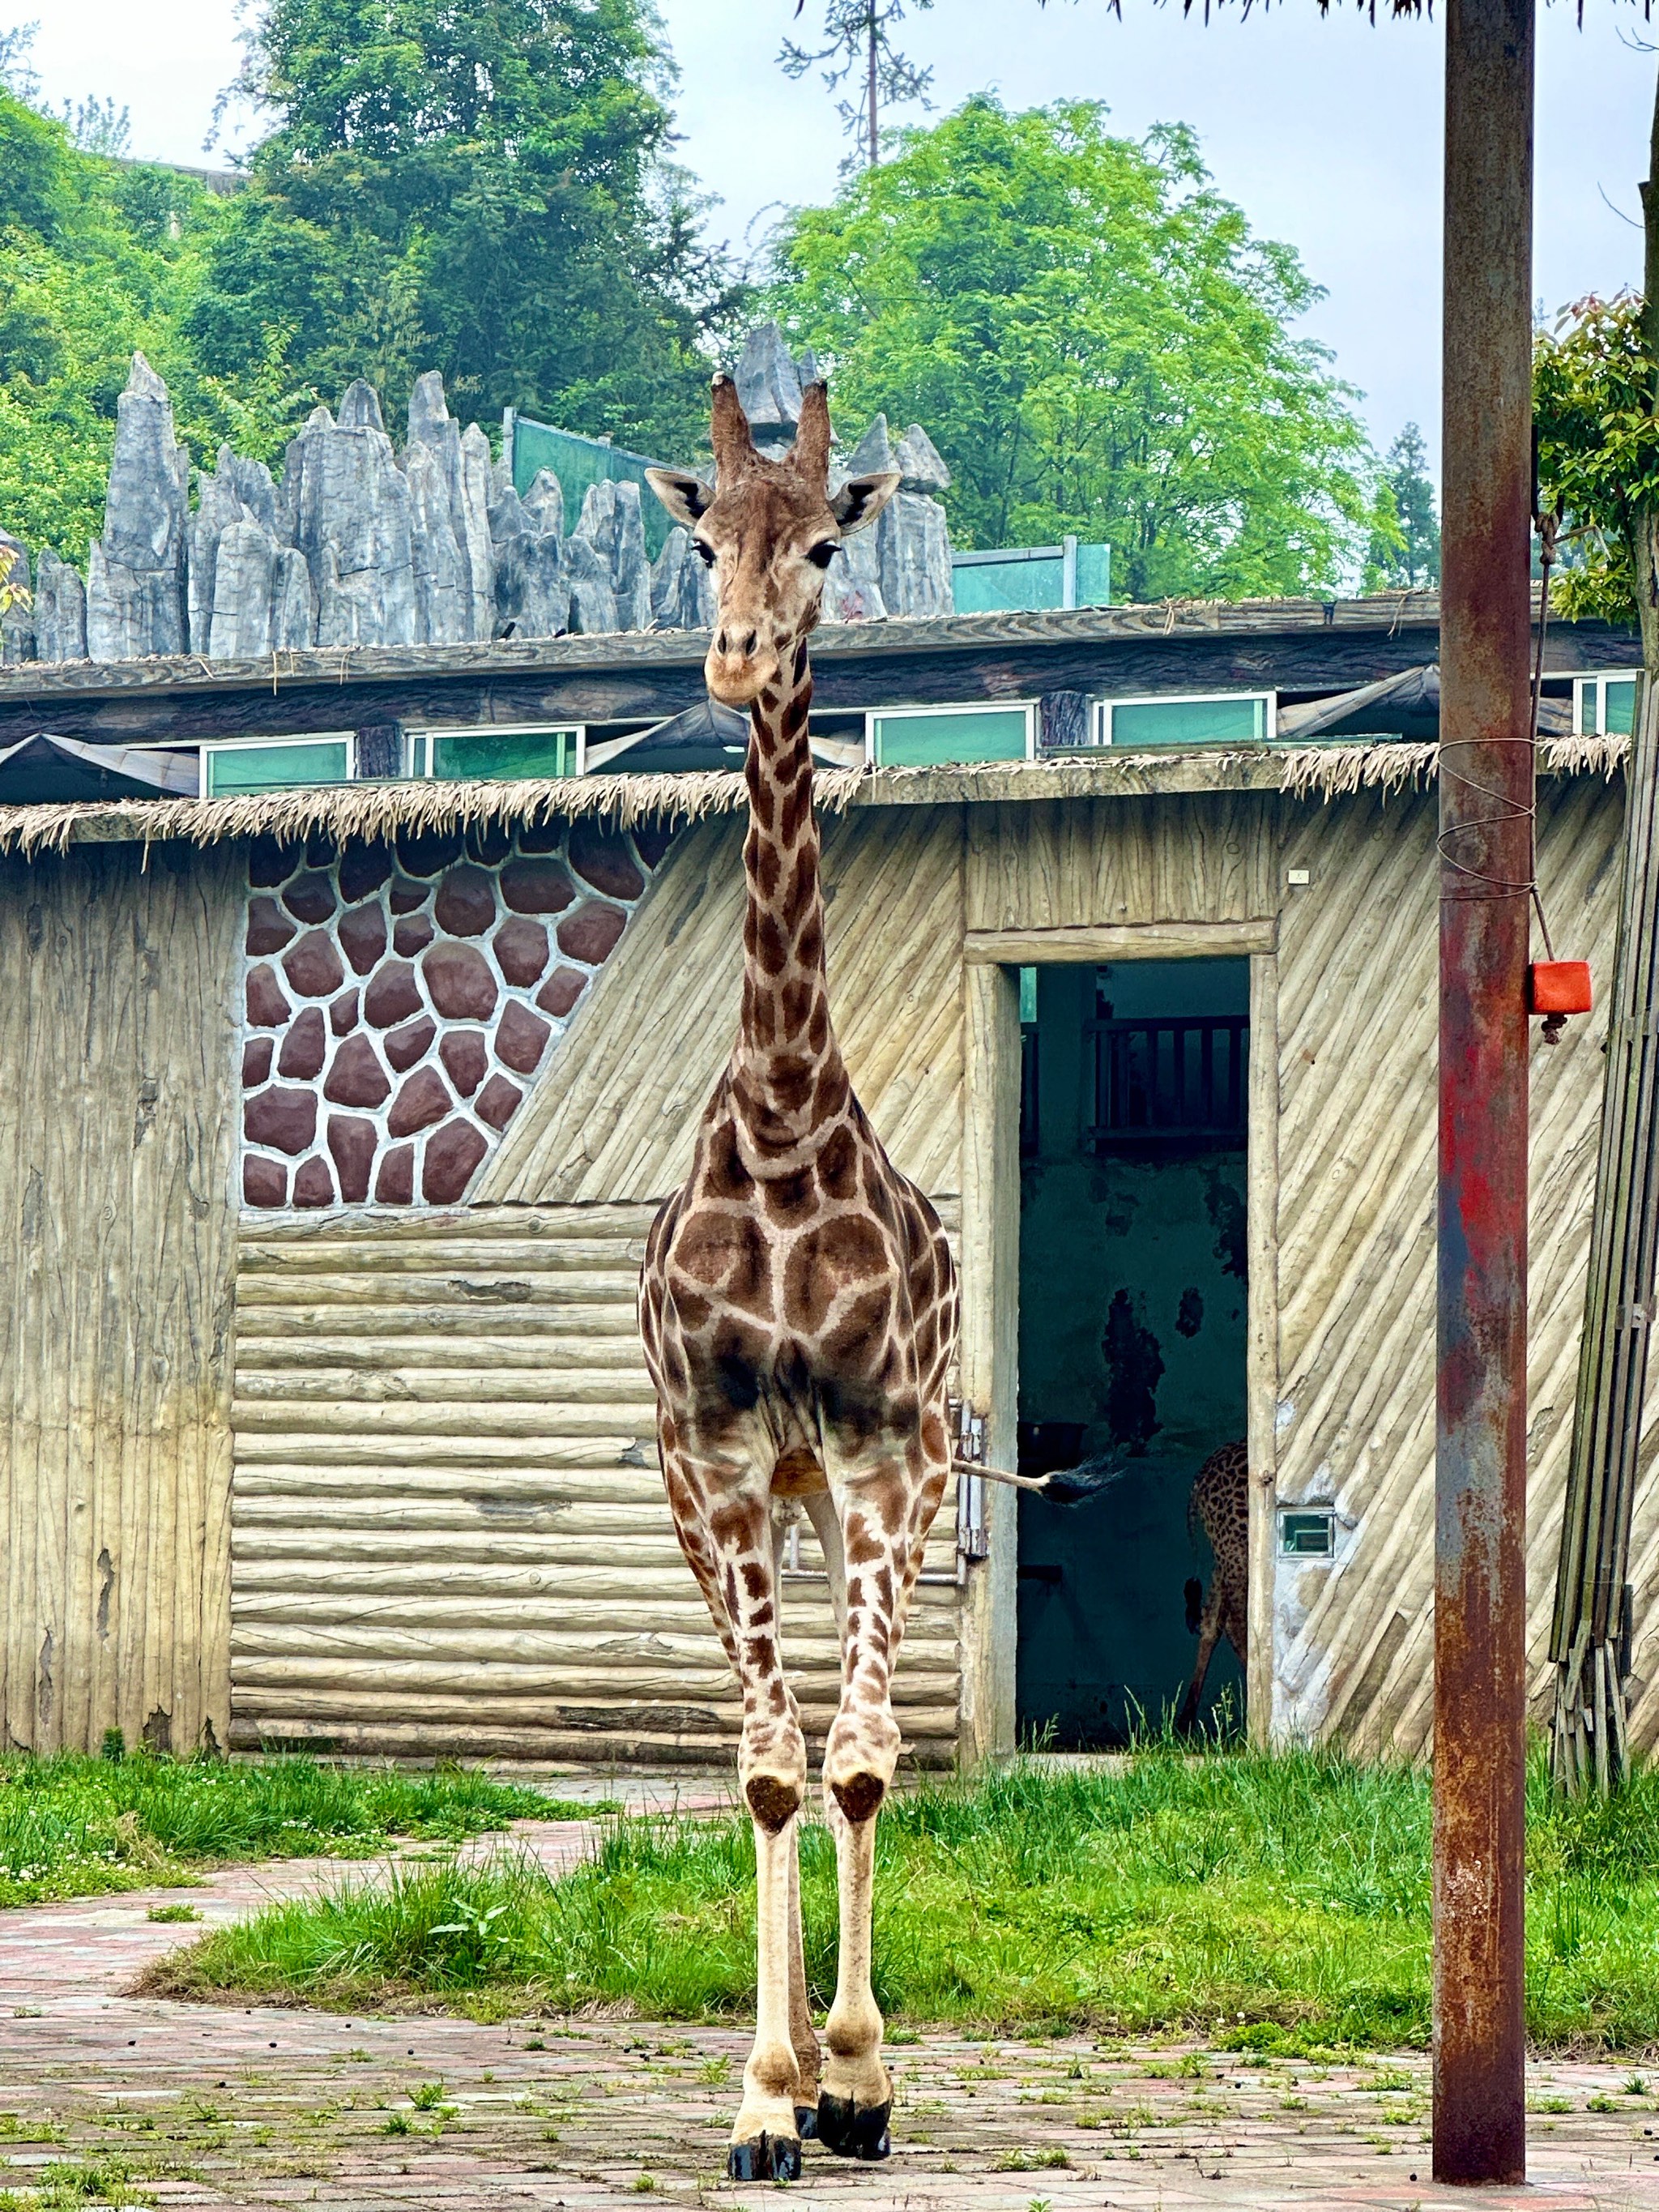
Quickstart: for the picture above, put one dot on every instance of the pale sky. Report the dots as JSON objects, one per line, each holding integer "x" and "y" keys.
{"x": 1326, "y": 131}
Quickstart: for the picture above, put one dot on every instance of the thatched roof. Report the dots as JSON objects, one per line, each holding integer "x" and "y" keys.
{"x": 371, "y": 811}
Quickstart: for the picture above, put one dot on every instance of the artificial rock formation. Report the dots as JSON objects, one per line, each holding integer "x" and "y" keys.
{"x": 359, "y": 544}
{"x": 135, "y": 576}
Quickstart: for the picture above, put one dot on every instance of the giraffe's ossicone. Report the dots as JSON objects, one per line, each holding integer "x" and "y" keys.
{"x": 798, "y": 1304}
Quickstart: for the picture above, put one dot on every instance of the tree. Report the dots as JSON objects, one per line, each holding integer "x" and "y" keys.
{"x": 1595, "y": 408}
{"x": 483, "y": 190}
{"x": 1405, "y": 549}
{"x": 1096, "y": 343}
{"x": 858, "y": 36}
{"x": 95, "y": 258}
{"x": 1593, "y": 383}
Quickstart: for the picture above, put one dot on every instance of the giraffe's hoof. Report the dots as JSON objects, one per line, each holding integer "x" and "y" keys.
{"x": 854, "y": 2130}
{"x": 766, "y": 2157}
{"x": 806, "y": 2123}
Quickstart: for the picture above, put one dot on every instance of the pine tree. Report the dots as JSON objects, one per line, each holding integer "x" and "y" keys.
{"x": 1408, "y": 557}
{"x": 858, "y": 35}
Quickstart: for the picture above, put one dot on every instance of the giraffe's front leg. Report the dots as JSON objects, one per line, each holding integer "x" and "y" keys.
{"x": 884, "y": 1515}
{"x": 765, "y": 2141}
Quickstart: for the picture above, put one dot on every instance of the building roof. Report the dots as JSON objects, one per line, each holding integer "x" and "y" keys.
{"x": 380, "y": 810}
{"x": 1296, "y": 647}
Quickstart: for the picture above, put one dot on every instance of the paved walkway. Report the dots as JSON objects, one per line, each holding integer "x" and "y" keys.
{"x": 209, "y": 2107}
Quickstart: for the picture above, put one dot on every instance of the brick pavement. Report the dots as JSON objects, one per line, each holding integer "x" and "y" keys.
{"x": 210, "y": 2107}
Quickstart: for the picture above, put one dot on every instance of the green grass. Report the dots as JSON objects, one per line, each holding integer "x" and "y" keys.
{"x": 1273, "y": 1903}
{"x": 72, "y": 1826}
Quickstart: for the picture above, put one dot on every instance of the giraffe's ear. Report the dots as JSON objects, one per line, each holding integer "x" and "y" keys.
{"x": 861, "y": 499}
{"x": 685, "y": 497}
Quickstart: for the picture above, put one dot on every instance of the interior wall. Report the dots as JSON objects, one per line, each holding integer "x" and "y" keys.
{"x": 1134, "y": 1292}
{"x": 118, "y": 1126}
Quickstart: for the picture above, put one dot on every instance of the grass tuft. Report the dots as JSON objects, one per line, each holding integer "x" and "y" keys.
{"x": 1276, "y": 1905}
{"x": 77, "y": 1826}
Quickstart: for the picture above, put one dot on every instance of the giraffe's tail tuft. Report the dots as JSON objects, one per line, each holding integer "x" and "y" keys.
{"x": 1075, "y": 1486}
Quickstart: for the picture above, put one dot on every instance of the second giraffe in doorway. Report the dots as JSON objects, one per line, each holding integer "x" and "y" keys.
{"x": 1220, "y": 1505}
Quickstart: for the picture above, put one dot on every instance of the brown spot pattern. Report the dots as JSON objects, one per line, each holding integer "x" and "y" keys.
{"x": 445, "y": 945}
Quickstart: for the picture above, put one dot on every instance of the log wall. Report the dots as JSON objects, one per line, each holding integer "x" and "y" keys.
{"x": 116, "y": 1142}
{"x": 450, "y": 1530}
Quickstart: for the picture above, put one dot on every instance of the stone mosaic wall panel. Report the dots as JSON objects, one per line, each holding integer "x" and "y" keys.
{"x": 398, "y": 999}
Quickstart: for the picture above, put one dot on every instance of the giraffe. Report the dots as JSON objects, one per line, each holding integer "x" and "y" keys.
{"x": 1220, "y": 1504}
{"x": 798, "y": 1306}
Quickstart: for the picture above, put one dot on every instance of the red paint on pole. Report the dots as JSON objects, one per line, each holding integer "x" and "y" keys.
{"x": 1486, "y": 842}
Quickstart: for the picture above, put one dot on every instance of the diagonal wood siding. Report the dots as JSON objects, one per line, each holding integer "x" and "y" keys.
{"x": 117, "y": 1141}
{"x": 449, "y": 1531}
{"x": 616, "y": 1114}
{"x": 1356, "y": 1254}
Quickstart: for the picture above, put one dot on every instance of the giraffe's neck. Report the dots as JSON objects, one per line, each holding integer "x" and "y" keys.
{"x": 788, "y": 1076}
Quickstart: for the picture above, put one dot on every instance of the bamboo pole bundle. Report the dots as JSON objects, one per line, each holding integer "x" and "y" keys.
{"x": 1590, "y": 1637}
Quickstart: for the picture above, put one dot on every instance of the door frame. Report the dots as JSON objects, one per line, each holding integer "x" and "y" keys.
{"x": 990, "y": 1281}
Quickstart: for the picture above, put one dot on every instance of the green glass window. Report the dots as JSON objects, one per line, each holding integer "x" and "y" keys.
{"x": 1307, "y": 1536}
{"x": 989, "y": 733}
{"x": 497, "y": 754}
{"x": 1618, "y": 705}
{"x": 1187, "y": 722}
{"x": 233, "y": 769}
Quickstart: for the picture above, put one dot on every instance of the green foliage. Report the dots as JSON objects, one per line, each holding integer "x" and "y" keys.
{"x": 1279, "y": 1903}
{"x": 74, "y": 1827}
{"x": 1096, "y": 343}
{"x": 95, "y": 261}
{"x": 483, "y": 190}
{"x": 1404, "y": 547}
{"x": 1595, "y": 385}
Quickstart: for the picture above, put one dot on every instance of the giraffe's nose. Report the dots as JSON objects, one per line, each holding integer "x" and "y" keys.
{"x": 740, "y": 666}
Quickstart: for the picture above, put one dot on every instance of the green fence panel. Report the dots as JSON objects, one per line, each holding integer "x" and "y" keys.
{"x": 580, "y": 462}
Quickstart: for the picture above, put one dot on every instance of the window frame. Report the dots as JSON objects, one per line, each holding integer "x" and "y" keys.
{"x": 1319, "y": 1512}
{"x": 1026, "y": 706}
{"x": 1594, "y": 685}
{"x": 1268, "y": 700}
{"x": 419, "y": 736}
{"x": 211, "y": 748}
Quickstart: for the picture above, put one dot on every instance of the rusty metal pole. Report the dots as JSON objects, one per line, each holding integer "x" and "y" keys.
{"x": 1486, "y": 847}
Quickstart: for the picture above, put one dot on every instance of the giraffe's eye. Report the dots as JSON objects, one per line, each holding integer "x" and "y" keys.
{"x": 704, "y": 550}
{"x": 824, "y": 552}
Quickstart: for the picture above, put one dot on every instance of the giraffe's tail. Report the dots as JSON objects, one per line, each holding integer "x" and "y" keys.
{"x": 1062, "y": 1485}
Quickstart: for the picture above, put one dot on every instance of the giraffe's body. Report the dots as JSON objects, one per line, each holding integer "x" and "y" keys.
{"x": 1219, "y": 1503}
{"x": 798, "y": 1310}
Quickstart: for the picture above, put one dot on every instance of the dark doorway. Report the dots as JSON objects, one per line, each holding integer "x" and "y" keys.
{"x": 1133, "y": 1299}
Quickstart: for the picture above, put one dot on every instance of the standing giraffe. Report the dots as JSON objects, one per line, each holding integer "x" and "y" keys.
{"x": 1221, "y": 1503}
{"x": 798, "y": 1304}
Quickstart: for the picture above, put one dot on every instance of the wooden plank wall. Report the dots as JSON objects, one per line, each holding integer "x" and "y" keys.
{"x": 1106, "y": 862}
{"x": 1356, "y": 1236}
{"x": 450, "y": 1530}
{"x": 116, "y": 1142}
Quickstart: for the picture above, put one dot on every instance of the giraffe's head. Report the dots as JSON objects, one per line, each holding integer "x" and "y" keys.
{"x": 768, "y": 529}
